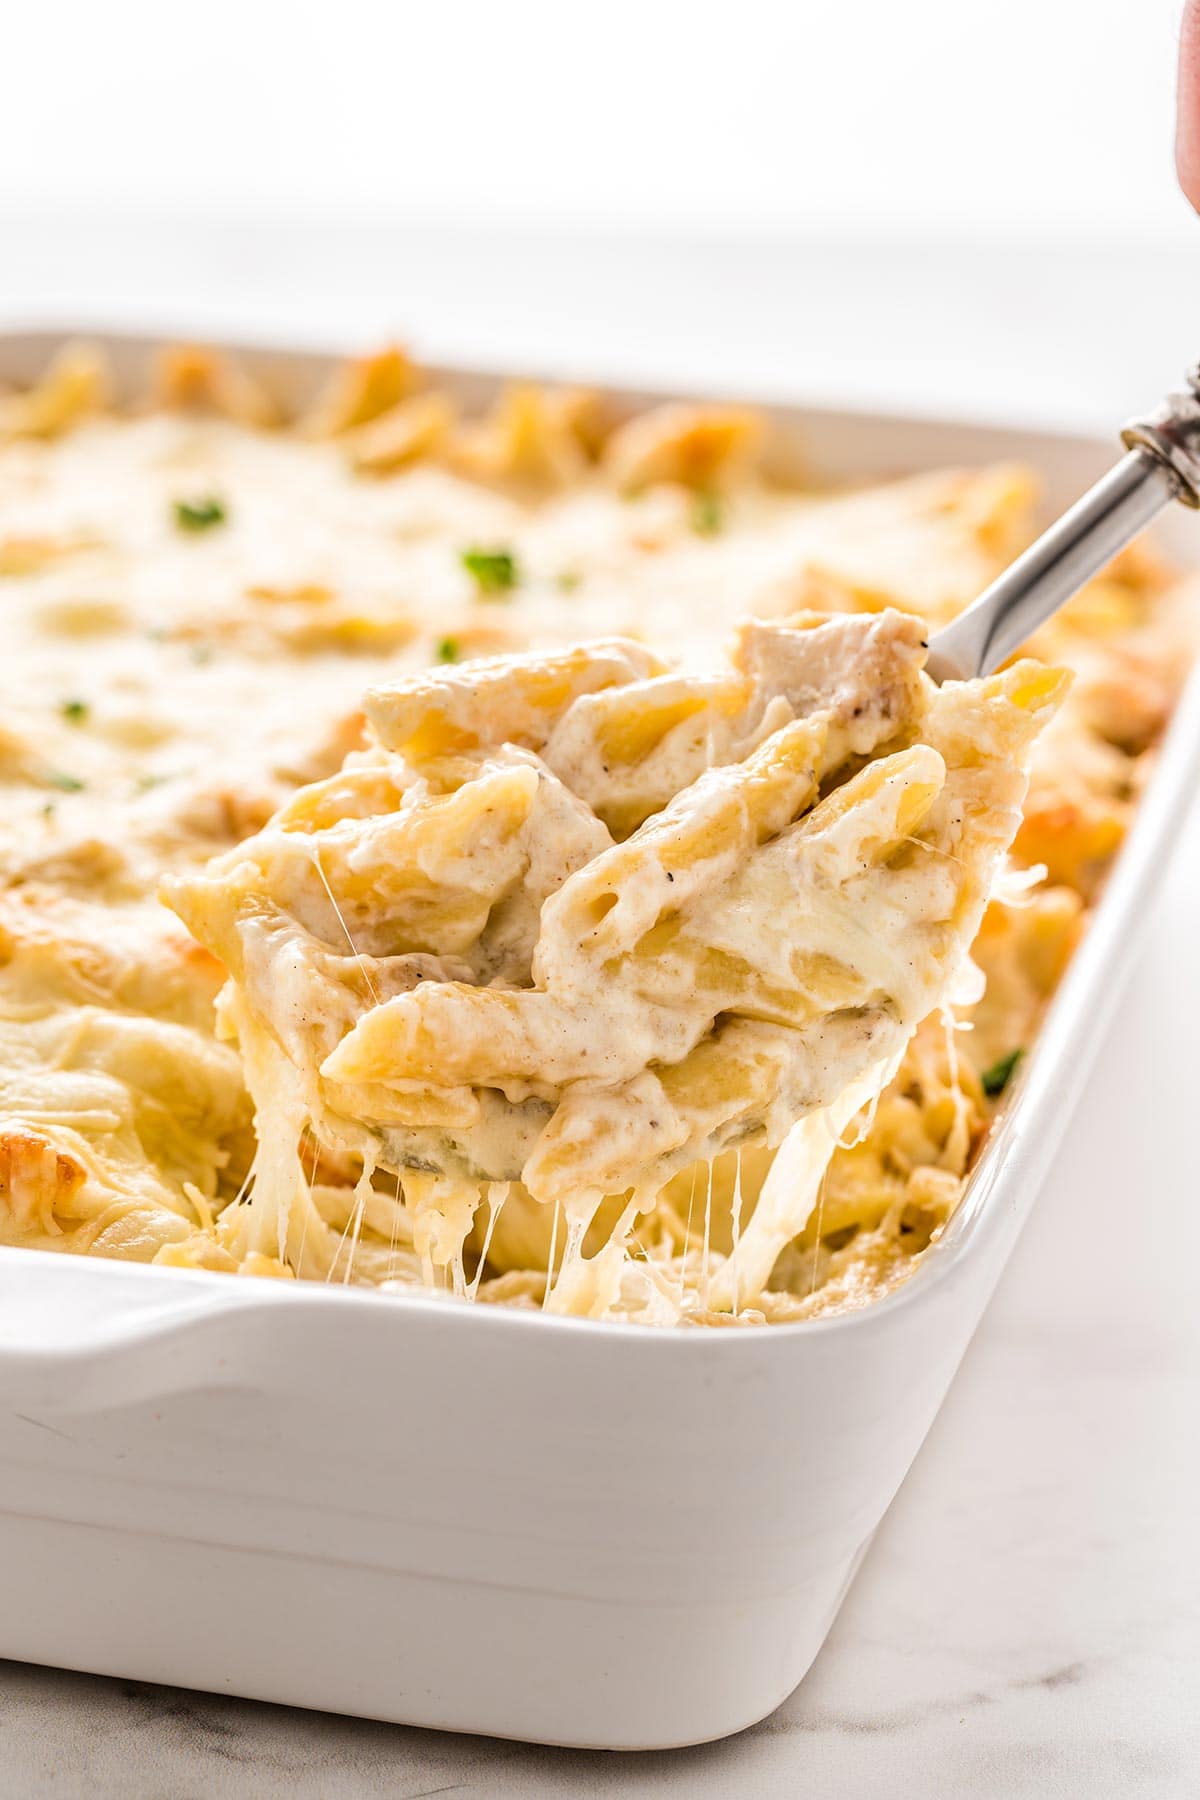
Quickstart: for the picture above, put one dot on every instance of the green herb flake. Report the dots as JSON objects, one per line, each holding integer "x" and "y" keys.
{"x": 567, "y": 580}
{"x": 199, "y": 514}
{"x": 200, "y": 654}
{"x": 708, "y": 513}
{"x": 996, "y": 1079}
{"x": 75, "y": 711}
{"x": 48, "y": 809}
{"x": 494, "y": 572}
{"x": 449, "y": 650}
{"x": 66, "y": 784}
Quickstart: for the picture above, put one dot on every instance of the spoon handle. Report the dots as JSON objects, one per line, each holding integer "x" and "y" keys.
{"x": 1162, "y": 464}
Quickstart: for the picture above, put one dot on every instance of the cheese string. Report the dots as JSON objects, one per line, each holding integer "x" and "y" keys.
{"x": 791, "y": 1188}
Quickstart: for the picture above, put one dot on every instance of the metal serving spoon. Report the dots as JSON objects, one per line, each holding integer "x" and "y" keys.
{"x": 1163, "y": 464}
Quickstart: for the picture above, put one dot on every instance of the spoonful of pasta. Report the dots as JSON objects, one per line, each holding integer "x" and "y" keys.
{"x": 579, "y": 923}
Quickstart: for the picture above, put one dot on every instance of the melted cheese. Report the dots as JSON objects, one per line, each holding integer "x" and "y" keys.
{"x": 752, "y": 955}
{"x": 173, "y": 687}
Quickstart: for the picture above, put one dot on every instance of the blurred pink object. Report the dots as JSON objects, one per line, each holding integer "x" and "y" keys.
{"x": 1187, "y": 124}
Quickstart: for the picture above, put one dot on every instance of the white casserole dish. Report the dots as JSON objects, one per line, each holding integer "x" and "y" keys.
{"x": 484, "y": 1521}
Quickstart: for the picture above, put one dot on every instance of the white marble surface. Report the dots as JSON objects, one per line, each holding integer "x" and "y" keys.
{"x": 1027, "y": 1622}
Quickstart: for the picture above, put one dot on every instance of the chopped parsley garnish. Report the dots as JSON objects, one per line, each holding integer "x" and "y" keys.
{"x": 448, "y": 650}
{"x": 66, "y": 784}
{"x": 199, "y": 514}
{"x": 493, "y": 571}
{"x": 708, "y": 513}
{"x": 996, "y": 1079}
{"x": 76, "y": 711}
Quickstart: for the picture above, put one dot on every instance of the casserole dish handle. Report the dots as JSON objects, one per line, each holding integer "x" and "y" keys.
{"x": 75, "y": 1335}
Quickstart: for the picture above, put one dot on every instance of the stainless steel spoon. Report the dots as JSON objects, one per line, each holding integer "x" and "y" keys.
{"x": 1162, "y": 464}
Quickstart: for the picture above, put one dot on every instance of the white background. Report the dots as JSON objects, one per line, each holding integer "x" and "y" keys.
{"x": 950, "y": 205}
{"x": 1045, "y": 116}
